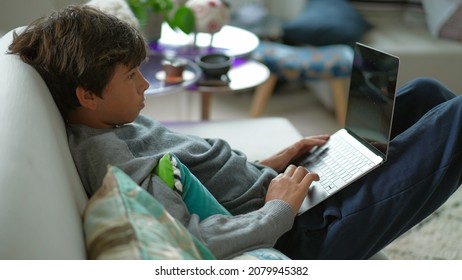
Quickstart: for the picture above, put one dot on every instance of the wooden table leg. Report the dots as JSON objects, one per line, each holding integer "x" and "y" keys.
{"x": 261, "y": 96}
{"x": 340, "y": 96}
{"x": 206, "y": 102}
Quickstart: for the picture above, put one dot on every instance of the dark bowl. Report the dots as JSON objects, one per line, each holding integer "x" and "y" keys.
{"x": 214, "y": 65}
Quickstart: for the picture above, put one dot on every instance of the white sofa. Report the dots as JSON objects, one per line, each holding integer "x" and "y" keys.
{"x": 406, "y": 34}
{"x": 41, "y": 195}
{"x": 404, "y": 31}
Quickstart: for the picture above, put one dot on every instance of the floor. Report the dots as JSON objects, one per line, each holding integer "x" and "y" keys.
{"x": 437, "y": 237}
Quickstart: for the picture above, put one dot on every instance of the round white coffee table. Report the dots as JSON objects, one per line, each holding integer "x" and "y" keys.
{"x": 233, "y": 41}
{"x": 230, "y": 40}
{"x": 244, "y": 75}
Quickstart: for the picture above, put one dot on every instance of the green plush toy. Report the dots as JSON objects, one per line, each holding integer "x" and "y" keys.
{"x": 197, "y": 198}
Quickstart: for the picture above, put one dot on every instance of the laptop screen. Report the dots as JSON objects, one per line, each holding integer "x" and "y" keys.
{"x": 371, "y": 96}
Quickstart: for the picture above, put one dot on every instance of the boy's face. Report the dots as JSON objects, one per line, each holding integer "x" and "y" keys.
{"x": 123, "y": 97}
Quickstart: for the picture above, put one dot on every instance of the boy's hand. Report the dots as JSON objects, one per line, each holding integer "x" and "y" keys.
{"x": 291, "y": 186}
{"x": 302, "y": 147}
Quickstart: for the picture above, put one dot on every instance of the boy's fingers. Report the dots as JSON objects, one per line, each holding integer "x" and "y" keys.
{"x": 310, "y": 178}
{"x": 290, "y": 170}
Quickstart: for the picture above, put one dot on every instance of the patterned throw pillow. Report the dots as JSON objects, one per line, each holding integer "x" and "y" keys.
{"x": 123, "y": 221}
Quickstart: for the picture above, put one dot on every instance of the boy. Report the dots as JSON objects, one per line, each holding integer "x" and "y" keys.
{"x": 90, "y": 61}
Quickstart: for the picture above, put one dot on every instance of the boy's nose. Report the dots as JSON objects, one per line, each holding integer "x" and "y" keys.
{"x": 144, "y": 84}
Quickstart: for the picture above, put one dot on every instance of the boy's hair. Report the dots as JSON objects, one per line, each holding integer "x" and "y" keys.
{"x": 78, "y": 46}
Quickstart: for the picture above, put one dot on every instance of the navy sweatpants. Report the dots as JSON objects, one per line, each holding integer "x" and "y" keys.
{"x": 423, "y": 169}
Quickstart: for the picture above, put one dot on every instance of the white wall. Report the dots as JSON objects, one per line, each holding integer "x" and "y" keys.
{"x": 14, "y": 13}
{"x": 286, "y": 9}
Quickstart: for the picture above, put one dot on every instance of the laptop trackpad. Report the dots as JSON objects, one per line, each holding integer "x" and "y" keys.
{"x": 316, "y": 194}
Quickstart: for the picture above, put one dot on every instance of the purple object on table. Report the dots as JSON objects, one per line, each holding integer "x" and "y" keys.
{"x": 154, "y": 74}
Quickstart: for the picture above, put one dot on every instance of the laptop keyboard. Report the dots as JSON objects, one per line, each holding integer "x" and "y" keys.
{"x": 339, "y": 166}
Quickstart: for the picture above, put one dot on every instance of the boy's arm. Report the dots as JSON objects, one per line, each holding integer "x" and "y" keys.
{"x": 290, "y": 154}
{"x": 228, "y": 236}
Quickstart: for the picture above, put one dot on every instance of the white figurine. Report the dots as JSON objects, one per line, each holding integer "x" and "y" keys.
{"x": 211, "y": 15}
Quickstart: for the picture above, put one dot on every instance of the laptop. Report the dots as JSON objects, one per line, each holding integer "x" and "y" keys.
{"x": 362, "y": 145}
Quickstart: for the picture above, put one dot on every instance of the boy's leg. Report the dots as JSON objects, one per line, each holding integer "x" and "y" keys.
{"x": 415, "y": 99}
{"x": 423, "y": 169}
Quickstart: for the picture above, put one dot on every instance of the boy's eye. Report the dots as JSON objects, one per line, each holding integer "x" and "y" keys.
{"x": 131, "y": 76}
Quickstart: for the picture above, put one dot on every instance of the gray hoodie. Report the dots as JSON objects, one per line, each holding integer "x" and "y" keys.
{"x": 240, "y": 186}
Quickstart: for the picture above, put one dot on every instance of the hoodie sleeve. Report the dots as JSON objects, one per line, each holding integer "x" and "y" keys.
{"x": 228, "y": 236}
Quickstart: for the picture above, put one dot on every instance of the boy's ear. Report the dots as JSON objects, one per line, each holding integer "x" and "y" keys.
{"x": 87, "y": 99}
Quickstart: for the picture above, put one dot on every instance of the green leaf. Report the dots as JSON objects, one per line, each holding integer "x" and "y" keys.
{"x": 161, "y": 6}
{"x": 184, "y": 19}
{"x": 139, "y": 9}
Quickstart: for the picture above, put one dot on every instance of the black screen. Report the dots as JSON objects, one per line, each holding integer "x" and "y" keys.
{"x": 371, "y": 96}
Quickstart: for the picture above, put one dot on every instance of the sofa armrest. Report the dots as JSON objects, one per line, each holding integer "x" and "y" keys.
{"x": 41, "y": 196}
{"x": 257, "y": 138}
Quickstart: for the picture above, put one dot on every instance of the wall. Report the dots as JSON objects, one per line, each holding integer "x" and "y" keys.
{"x": 14, "y": 13}
{"x": 22, "y": 12}
{"x": 284, "y": 9}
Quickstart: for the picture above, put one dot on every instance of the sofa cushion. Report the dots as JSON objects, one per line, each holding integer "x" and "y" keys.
{"x": 282, "y": 131}
{"x": 444, "y": 18}
{"x": 123, "y": 221}
{"x": 326, "y": 22}
{"x": 41, "y": 196}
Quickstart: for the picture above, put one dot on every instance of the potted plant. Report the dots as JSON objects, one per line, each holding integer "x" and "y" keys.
{"x": 154, "y": 12}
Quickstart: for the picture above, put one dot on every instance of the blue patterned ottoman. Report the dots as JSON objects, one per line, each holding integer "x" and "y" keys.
{"x": 305, "y": 63}
{"x": 330, "y": 63}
